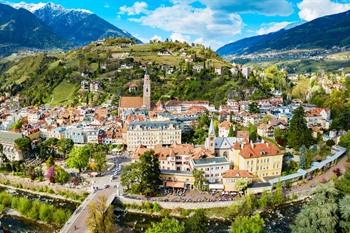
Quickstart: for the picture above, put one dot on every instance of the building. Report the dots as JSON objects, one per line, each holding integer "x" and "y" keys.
{"x": 222, "y": 146}
{"x": 151, "y": 133}
{"x": 260, "y": 159}
{"x": 76, "y": 134}
{"x": 7, "y": 140}
{"x": 224, "y": 128}
{"x": 318, "y": 117}
{"x": 234, "y": 180}
{"x": 147, "y": 92}
{"x": 127, "y": 103}
{"x": 213, "y": 168}
{"x": 268, "y": 130}
{"x": 175, "y": 157}
{"x": 246, "y": 72}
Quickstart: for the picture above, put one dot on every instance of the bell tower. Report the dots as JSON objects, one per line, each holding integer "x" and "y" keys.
{"x": 147, "y": 91}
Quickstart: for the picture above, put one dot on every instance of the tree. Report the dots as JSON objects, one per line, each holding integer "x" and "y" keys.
{"x": 343, "y": 184}
{"x": 143, "y": 176}
{"x": 245, "y": 224}
{"x": 100, "y": 161}
{"x": 320, "y": 214}
{"x": 78, "y": 158}
{"x": 299, "y": 134}
{"x": 50, "y": 162}
{"x": 199, "y": 179}
{"x": 65, "y": 145}
{"x": 345, "y": 141}
{"x": 101, "y": 217}
{"x": 197, "y": 223}
{"x": 166, "y": 226}
{"x": 253, "y": 108}
{"x": 280, "y": 136}
{"x": 277, "y": 196}
{"x": 344, "y": 209}
{"x": 231, "y": 132}
{"x": 23, "y": 144}
{"x": 61, "y": 176}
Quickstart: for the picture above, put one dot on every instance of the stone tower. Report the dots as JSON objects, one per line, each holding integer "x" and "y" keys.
{"x": 210, "y": 141}
{"x": 147, "y": 92}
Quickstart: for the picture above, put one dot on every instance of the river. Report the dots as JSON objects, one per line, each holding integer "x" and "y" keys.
{"x": 276, "y": 221}
{"x": 17, "y": 224}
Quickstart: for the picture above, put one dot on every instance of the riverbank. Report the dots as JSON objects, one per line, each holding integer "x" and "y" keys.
{"x": 15, "y": 213}
{"x": 277, "y": 219}
{"x": 50, "y": 190}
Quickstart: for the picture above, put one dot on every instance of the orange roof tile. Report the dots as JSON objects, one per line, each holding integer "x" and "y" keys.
{"x": 237, "y": 174}
{"x": 257, "y": 150}
{"x": 130, "y": 102}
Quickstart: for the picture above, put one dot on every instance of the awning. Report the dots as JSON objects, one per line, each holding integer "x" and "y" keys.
{"x": 216, "y": 186}
{"x": 175, "y": 184}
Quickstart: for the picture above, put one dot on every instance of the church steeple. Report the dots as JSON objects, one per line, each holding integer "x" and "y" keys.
{"x": 147, "y": 91}
{"x": 210, "y": 142}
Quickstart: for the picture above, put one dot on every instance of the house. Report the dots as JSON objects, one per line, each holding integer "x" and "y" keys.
{"x": 213, "y": 168}
{"x": 245, "y": 72}
{"x": 233, "y": 180}
{"x": 76, "y": 134}
{"x": 7, "y": 140}
{"x": 224, "y": 128}
{"x": 84, "y": 85}
{"x": 260, "y": 159}
{"x": 318, "y": 117}
{"x": 268, "y": 129}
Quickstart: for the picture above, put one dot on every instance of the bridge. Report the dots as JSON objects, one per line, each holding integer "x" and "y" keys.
{"x": 78, "y": 221}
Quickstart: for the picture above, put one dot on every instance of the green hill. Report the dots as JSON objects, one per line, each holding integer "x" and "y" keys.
{"x": 55, "y": 78}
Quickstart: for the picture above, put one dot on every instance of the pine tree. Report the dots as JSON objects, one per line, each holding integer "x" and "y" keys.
{"x": 299, "y": 134}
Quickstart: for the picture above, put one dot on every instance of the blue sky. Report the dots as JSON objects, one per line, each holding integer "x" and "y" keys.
{"x": 212, "y": 22}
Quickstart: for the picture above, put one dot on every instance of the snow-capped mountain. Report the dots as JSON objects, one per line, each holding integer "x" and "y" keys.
{"x": 20, "y": 29}
{"x": 78, "y": 26}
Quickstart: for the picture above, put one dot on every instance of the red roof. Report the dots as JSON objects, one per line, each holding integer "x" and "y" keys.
{"x": 257, "y": 150}
{"x": 237, "y": 174}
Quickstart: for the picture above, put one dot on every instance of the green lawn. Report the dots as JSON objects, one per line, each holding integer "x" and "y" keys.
{"x": 63, "y": 93}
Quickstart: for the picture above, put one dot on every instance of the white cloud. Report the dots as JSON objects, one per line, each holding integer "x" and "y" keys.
{"x": 189, "y": 21}
{"x": 106, "y": 5}
{"x": 264, "y": 7}
{"x": 136, "y": 9}
{"x": 179, "y": 37}
{"x": 312, "y": 9}
{"x": 156, "y": 37}
{"x": 272, "y": 27}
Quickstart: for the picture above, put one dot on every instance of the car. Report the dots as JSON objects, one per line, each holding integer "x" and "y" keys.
{"x": 107, "y": 186}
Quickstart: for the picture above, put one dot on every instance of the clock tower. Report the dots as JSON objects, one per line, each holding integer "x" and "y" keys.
{"x": 147, "y": 91}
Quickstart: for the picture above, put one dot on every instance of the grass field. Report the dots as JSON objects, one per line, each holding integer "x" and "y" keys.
{"x": 63, "y": 94}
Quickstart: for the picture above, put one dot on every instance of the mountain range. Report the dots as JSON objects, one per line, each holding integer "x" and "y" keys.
{"x": 322, "y": 33}
{"x": 20, "y": 28}
{"x": 47, "y": 25}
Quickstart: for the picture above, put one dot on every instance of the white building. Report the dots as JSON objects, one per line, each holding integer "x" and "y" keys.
{"x": 151, "y": 133}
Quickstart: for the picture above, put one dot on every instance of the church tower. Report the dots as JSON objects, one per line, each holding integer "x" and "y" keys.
{"x": 147, "y": 91}
{"x": 210, "y": 141}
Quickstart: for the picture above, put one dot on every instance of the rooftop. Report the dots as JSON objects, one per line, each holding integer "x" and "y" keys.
{"x": 210, "y": 160}
{"x": 9, "y": 137}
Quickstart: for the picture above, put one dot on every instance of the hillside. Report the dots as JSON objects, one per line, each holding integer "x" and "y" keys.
{"x": 21, "y": 29}
{"x": 78, "y": 26}
{"x": 325, "y": 32}
{"x": 55, "y": 78}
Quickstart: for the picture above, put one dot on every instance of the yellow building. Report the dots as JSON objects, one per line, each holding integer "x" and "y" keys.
{"x": 236, "y": 180}
{"x": 260, "y": 159}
